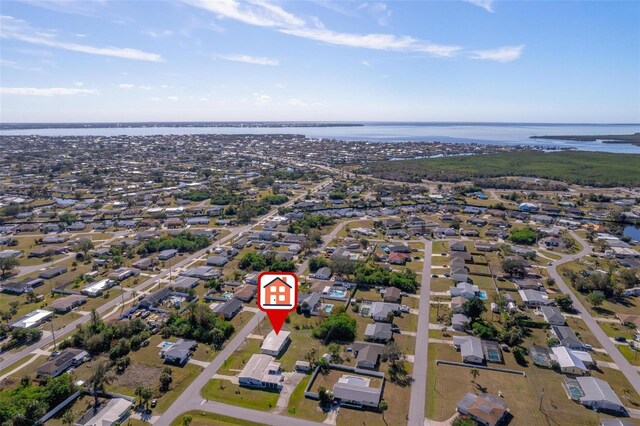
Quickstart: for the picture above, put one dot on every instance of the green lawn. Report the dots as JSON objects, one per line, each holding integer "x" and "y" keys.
{"x": 201, "y": 418}
{"x": 227, "y": 393}
{"x": 304, "y": 408}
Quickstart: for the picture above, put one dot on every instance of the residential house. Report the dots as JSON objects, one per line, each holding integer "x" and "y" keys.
{"x": 572, "y": 361}
{"x": 485, "y": 409}
{"x": 261, "y": 371}
{"x": 380, "y": 311}
{"x": 167, "y": 254}
{"x": 309, "y": 303}
{"x": 218, "y": 261}
{"x": 567, "y": 337}
{"x": 598, "y": 395}
{"x": 32, "y": 319}
{"x": 470, "y": 348}
{"x": 229, "y": 309}
{"x": 324, "y": 273}
{"x": 459, "y": 322}
{"x": 535, "y": 298}
{"x": 179, "y": 352}
{"x": 67, "y": 358}
{"x": 66, "y": 304}
{"x": 464, "y": 289}
{"x": 95, "y": 289}
{"x": 392, "y": 295}
{"x": 367, "y": 354}
{"x": 275, "y": 344}
{"x": 114, "y": 412}
{"x": 21, "y": 287}
{"x": 354, "y": 391}
{"x": 553, "y": 315}
{"x": 184, "y": 283}
{"x": 53, "y": 272}
{"x": 245, "y": 292}
{"x": 378, "y": 332}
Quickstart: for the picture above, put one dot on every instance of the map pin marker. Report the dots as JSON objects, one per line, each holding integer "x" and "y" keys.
{"x": 277, "y": 296}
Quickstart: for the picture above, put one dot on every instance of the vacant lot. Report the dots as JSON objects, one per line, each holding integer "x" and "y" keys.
{"x": 228, "y": 393}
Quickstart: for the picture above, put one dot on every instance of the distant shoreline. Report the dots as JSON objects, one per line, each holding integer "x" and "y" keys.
{"x": 633, "y": 139}
{"x": 118, "y": 125}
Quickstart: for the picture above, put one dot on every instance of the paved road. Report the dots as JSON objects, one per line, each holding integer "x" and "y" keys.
{"x": 10, "y": 358}
{"x": 419, "y": 386}
{"x": 326, "y": 239}
{"x": 627, "y": 369}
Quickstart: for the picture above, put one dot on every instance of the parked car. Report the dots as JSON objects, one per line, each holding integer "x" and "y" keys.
{"x": 620, "y": 339}
{"x": 404, "y": 308}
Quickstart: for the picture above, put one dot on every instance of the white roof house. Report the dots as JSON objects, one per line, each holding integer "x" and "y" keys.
{"x": 532, "y": 298}
{"x": 96, "y": 289}
{"x": 274, "y": 343}
{"x": 116, "y": 410}
{"x": 466, "y": 290}
{"x": 571, "y": 361}
{"x": 470, "y": 348}
{"x": 599, "y": 395}
{"x": 356, "y": 390}
{"x": 32, "y": 319}
{"x": 261, "y": 371}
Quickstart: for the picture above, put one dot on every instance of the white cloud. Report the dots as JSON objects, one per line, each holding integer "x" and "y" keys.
{"x": 262, "y": 13}
{"x": 80, "y": 35}
{"x": 374, "y": 41}
{"x": 247, "y": 59}
{"x": 501, "y": 54}
{"x": 17, "y": 29}
{"x": 49, "y": 91}
{"x": 485, "y": 4}
{"x": 172, "y": 98}
{"x": 261, "y": 98}
{"x": 79, "y": 83}
{"x": 158, "y": 34}
{"x": 155, "y": 99}
{"x": 379, "y": 10}
{"x": 126, "y": 86}
{"x": 254, "y": 12}
{"x": 366, "y": 63}
{"x": 280, "y": 86}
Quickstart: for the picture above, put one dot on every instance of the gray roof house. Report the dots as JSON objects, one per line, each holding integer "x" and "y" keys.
{"x": 470, "y": 349}
{"x": 367, "y": 354}
{"x": 228, "y": 309}
{"x": 534, "y": 298}
{"x": 380, "y": 310}
{"x": 217, "y": 261}
{"x": 459, "y": 322}
{"x": 598, "y": 395}
{"x": 324, "y": 273}
{"x": 67, "y": 358}
{"x": 179, "y": 352}
{"x": 53, "y": 272}
{"x": 567, "y": 337}
{"x": 553, "y": 315}
{"x": 310, "y": 303}
{"x": 378, "y": 332}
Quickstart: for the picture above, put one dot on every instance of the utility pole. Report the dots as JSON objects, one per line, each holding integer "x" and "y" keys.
{"x": 53, "y": 335}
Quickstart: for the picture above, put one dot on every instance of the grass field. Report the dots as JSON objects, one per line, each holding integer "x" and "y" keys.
{"x": 586, "y": 168}
{"x": 228, "y": 393}
{"x": 201, "y": 418}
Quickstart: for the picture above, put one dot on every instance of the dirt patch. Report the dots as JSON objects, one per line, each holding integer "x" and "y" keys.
{"x": 136, "y": 375}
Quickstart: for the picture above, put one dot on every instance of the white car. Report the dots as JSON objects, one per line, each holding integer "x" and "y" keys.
{"x": 404, "y": 308}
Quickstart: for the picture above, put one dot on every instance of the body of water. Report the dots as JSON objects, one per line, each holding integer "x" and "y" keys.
{"x": 632, "y": 231}
{"x": 486, "y": 133}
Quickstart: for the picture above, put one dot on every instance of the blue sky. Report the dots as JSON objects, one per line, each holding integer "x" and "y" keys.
{"x": 480, "y": 60}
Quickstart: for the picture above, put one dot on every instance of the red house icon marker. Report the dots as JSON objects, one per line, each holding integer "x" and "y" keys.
{"x": 278, "y": 293}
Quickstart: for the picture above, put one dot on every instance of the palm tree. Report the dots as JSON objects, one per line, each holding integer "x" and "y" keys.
{"x": 627, "y": 393}
{"x": 68, "y": 418}
{"x": 383, "y": 407}
{"x": 99, "y": 378}
{"x": 474, "y": 373}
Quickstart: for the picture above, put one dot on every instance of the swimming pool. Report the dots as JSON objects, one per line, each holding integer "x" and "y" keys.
{"x": 337, "y": 293}
{"x": 227, "y": 294}
{"x": 482, "y": 295}
{"x": 353, "y": 380}
{"x": 164, "y": 345}
{"x": 327, "y": 308}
